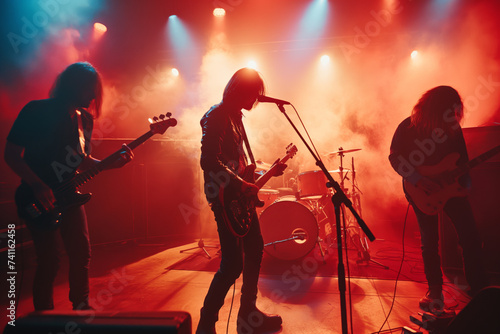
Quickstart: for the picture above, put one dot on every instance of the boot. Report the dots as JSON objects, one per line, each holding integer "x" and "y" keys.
{"x": 433, "y": 301}
{"x": 206, "y": 324}
{"x": 253, "y": 321}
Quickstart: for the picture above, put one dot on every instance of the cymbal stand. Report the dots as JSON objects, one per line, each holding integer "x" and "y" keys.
{"x": 202, "y": 246}
{"x": 360, "y": 243}
{"x": 341, "y": 168}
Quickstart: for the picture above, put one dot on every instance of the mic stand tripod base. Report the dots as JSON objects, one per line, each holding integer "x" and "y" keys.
{"x": 202, "y": 246}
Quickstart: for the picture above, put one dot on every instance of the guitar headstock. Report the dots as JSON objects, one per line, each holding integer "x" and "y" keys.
{"x": 161, "y": 123}
{"x": 291, "y": 149}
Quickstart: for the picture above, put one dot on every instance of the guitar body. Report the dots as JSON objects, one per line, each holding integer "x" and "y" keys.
{"x": 239, "y": 208}
{"x": 432, "y": 204}
{"x": 66, "y": 194}
{"x": 36, "y": 216}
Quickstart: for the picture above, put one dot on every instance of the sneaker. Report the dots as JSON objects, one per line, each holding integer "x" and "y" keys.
{"x": 254, "y": 321}
{"x": 432, "y": 303}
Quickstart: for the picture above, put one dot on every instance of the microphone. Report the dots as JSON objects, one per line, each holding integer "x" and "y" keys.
{"x": 263, "y": 98}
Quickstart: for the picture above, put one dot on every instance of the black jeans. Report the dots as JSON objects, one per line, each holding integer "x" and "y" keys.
{"x": 75, "y": 236}
{"x": 237, "y": 255}
{"x": 459, "y": 211}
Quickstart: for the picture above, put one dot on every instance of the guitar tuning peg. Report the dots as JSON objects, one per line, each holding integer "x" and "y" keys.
{"x": 155, "y": 119}
{"x": 169, "y": 114}
{"x": 162, "y": 116}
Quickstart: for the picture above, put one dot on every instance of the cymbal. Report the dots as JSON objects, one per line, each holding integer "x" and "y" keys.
{"x": 345, "y": 170}
{"x": 344, "y": 151}
{"x": 266, "y": 191}
{"x": 262, "y": 165}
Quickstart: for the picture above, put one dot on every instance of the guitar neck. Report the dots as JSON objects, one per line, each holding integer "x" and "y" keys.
{"x": 262, "y": 180}
{"x": 476, "y": 161}
{"x": 82, "y": 178}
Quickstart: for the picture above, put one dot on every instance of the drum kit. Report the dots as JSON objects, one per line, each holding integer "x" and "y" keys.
{"x": 294, "y": 220}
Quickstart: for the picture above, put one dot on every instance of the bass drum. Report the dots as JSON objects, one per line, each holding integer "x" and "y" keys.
{"x": 289, "y": 229}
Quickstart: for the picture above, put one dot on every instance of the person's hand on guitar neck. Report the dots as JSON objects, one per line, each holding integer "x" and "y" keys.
{"x": 280, "y": 167}
{"x": 125, "y": 156}
{"x": 428, "y": 185}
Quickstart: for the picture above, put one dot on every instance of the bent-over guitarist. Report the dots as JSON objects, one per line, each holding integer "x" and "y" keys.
{"x": 224, "y": 162}
{"x": 424, "y": 147}
{"x": 48, "y": 143}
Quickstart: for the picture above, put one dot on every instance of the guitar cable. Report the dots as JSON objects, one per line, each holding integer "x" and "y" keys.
{"x": 231, "y": 308}
{"x": 399, "y": 271}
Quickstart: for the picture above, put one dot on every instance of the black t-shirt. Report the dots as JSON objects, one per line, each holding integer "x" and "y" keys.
{"x": 411, "y": 149}
{"x": 48, "y": 131}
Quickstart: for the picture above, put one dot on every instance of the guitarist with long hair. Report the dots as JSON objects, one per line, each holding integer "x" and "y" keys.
{"x": 48, "y": 143}
{"x": 426, "y": 145}
{"x": 223, "y": 162}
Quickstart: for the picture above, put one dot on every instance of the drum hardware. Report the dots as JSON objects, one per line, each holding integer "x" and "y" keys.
{"x": 290, "y": 228}
{"x": 357, "y": 238}
{"x": 298, "y": 234}
{"x": 338, "y": 199}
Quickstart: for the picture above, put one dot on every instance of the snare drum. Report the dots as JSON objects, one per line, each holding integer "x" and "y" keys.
{"x": 268, "y": 196}
{"x": 289, "y": 228}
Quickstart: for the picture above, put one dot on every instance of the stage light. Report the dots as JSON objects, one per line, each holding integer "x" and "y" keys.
{"x": 414, "y": 54}
{"x": 325, "y": 59}
{"x": 219, "y": 12}
{"x": 100, "y": 27}
{"x": 252, "y": 64}
{"x": 175, "y": 72}
{"x": 313, "y": 21}
{"x": 179, "y": 37}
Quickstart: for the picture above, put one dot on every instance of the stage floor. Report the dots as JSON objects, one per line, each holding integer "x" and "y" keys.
{"x": 150, "y": 278}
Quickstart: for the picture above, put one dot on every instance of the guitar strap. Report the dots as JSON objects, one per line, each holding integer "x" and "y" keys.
{"x": 81, "y": 134}
{"x": 247, "y": 144}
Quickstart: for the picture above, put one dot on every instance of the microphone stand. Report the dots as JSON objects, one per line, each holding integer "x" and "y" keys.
{"x": 338, "y": 198}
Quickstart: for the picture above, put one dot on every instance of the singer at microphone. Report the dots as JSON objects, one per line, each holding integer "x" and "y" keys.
{"x": 263, "y": 98}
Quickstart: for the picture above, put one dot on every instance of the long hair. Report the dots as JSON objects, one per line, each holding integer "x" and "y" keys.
{"x": 76, "y": 79}
{"x": 246, "y": 82}
{"x": 439, "y": 108}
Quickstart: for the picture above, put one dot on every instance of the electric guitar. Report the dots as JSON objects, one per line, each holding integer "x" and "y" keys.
{"x": 66, "y": 192}
{"x": 446, "y": 173}
{"x": 238, "y": 207}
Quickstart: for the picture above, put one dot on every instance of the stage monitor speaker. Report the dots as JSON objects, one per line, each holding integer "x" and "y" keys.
{"x": 91, "y": 322}
{"x": 480, "y": 315}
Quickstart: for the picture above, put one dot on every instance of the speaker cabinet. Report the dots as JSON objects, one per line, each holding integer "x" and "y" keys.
{"x": 484, "y": 198}
{"x": 90, "y": 322}
{"x": 480, "y": 315}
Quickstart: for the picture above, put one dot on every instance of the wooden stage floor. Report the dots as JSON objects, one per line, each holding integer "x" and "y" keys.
{"x": 148, "y": 278}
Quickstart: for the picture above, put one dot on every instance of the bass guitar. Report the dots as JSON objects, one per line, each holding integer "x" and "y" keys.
{"x": 446, "y": 173}
{"x": 66, "y": 193}
{"x": 238, "y": 208}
